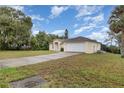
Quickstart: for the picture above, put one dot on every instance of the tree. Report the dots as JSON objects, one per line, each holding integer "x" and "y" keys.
{"x": 15, "y": 28}
{"x": 34, "y": 43}
{"x": 66, "y": 34}
{"x": 41, "y": 40}
{"x": 113, "y": 39}
{"x": 116, "y": 22}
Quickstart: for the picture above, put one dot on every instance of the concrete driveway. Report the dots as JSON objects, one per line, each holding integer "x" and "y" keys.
{"x": 16, "y": 62}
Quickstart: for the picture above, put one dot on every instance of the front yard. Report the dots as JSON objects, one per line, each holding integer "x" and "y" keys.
{"x": 17, "y": 54}
{"x": 84, "y": 70}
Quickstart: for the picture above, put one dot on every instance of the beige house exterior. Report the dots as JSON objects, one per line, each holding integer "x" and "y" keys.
{"x": 56, "y": 45}
{"x": 78, "y": 44}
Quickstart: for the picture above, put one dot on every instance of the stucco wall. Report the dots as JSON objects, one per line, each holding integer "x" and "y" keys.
{"x": 87, "y": 47}
{"x": 92, "y": 47}
{"x": 52, "y": 46}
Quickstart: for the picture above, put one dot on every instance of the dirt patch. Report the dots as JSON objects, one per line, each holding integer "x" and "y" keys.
{"x": 31, "y": 82}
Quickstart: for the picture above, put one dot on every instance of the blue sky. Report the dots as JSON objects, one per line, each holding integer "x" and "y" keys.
{"x": 87, "y": 21}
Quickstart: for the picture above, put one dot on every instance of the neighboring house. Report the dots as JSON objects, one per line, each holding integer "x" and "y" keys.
{"x": 78, "y": 44}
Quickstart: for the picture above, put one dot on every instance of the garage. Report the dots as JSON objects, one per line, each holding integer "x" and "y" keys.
{"x": 77, "y": 44}
{"x": 74, "y": 47}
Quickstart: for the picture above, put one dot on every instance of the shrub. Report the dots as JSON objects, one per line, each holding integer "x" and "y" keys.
{"x": 111, "y": 49}
{"x": 62, "y": 49}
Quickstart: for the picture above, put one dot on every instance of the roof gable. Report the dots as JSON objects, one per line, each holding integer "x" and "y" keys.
{"x": 80, "y": 39}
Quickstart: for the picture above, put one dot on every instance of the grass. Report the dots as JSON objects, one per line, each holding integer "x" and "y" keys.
{"x": 16, "y": 54}
{"x": 84, "y": 70}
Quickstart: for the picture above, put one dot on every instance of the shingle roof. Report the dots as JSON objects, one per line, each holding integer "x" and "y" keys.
{"x": 80, "y": 39}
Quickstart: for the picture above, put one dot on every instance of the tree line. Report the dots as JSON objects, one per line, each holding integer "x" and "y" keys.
{"x": 15, "y": 32}
{"x": 41, "y": 40}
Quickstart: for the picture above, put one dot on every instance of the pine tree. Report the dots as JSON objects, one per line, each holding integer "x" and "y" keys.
{"x": 66, "y": 34}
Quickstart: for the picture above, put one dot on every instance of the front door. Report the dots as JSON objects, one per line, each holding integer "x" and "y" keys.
{"x": 56, "y": 46}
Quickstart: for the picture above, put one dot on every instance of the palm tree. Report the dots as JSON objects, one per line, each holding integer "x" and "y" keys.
{"x": 116, "y": 22}
{"x": 113, "y": 39}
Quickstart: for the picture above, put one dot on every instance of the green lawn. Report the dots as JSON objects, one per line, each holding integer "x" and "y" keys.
{"x": 84, "y": 70}
{"x": 16, "y": 54}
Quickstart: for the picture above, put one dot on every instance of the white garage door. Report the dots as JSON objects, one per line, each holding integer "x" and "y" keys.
{"x": 74, "y": 47}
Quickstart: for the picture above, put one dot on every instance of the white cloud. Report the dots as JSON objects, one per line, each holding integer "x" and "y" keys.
{"x": 58, "y": 32}
{"x": 91, "y": 23}
{"x": 37, "y": 17}
{"x": 87, "y": 10}
{"x": 57, "y": 10}
{"x": 35, "y": 32}
{"x": 75, "y": 25}
{"x": 96, "y": 19}
{"x": 35, "y": 29}
{"x": 99, "y": 35}
{"x": 104, "y": 29}
{"x": 84, "y": 28}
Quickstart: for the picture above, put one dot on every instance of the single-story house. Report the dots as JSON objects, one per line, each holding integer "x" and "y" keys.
{"x": 78, "y": 44}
